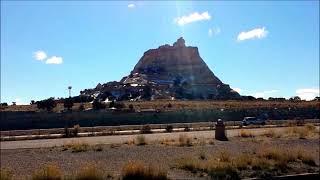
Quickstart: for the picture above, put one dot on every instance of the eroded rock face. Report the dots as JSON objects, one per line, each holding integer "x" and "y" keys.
{"x": 171, "y": 71}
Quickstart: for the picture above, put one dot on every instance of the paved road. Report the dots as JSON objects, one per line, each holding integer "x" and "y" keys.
{"x": 40, "y": 143}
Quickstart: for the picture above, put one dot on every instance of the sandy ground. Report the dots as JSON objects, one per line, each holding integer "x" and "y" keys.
{"x": 42, "y": 143}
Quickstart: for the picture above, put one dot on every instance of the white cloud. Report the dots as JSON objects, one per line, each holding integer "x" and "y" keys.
{"x": 265, "y": 94}
{"x": 308, "y": 94}
{"x": 252, "y": 34}
{"x": 183, "y": 20}
{"x": 131, "y": 6}
{"x": 54, "y": 60}
{"x": 214, "y": 31}
{"x": 40, "y": 55}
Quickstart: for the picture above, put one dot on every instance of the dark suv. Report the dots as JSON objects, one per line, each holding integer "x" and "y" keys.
{"x": 253, "y": 120}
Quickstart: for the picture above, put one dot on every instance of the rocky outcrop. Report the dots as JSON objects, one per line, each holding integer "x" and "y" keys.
{"x": 175, "y": 71}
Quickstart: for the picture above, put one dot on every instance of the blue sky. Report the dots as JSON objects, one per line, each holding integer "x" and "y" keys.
{"x": 260, "y": 48}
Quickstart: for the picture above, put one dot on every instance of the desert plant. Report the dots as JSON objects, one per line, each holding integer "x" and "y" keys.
{"x": 169, "y": 128}
{"x": 47, "y": 104}
{"x": 97, "y": 105}
{"x": 138, "y": 170}
{"x": 131, "y": 107}
{"x": 184, "y": 140}
{"x": 5, "y": 174}
{"x": 48, "y": 172}
{"x": 76, "y": 129}
{"x": 97, "y": 147}
{"x": 224, "y": 156}
{"x": 223, "y": 171}
{"x": 68, "y": 103}
{"x": 77, "y": 146}
{"x": 81, "y": 107}
{"x": 186, "y": 129}
{"x": 146, "y": 129}
{"x": 66, "y": 131}
{"x": 140, "y": 140}
{"x": 89, "y": 172}
{"x": 245, "y": 134}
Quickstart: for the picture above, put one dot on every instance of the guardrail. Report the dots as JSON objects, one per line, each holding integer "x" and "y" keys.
{"x": 134, "y": 129}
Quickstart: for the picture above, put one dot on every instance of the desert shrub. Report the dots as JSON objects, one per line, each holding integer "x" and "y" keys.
{"x": 245, "y": 134}
{"x": 77, "y": 146}
{"x": 223, "y": 171}
{"x": 97, "y": 147}
{"x": 118, "y": 105}
{"x": 261, "y": 164}
{"x": 131, "y": 107}
{"x": 310, "y": 127}
{"x": 224, "y": 156}
{"x": 66, "y": 131}
{"x": 299, "y": 132}
{"x": 5, "y": 174}
{"x": 184, "y": 140}
{"x": 242, "y": 161}
{"x": 76, "y": 129}
{"x": 89, "y": 172}
{"x": 68, "y": 103}
{"x": 186, "y": 129}
{"x": 140, "y": 140}
{"x": 146, "y": 129}
{"x": 271, "y": 134}
{"x": 47, "y": 104}
{"x": 81, "y": 107}
{"x": 169, "y": 128}
{"x": 138, "y": 170}
{"x": 97, "y": 105}
{"x": 48, "y": 172}
{"x": 202, "y": 155}
{"x": 190, "y": 164}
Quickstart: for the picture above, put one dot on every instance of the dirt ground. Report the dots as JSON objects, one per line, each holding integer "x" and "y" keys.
{"x": 111, "y": 158}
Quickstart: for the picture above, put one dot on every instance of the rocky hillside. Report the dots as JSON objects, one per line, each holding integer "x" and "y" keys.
{"x": 168, "y": 72}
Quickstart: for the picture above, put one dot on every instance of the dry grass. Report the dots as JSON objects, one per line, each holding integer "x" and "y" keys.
{"x": 140, "y": 140}
{"x": 89, "y": 171}
{"x": 138, "y": 170}
{"x": 167, "y": 141}
{"x": 245, "y": 134}
{"x": 5, "y": 174}
{"x": 97, "y": 147}
{"x": 76, "y": 146}
{"x": 48, "y": 172}
{"x": 301, "y": 132}
{"x": 265, "y": 160}
{"x": 224, "y": 156}
{"x": 184, "y": 140}
{"x": 271, "y": 134}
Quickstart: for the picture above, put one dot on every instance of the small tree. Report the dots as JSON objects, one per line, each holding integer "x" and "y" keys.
{"x": 98, "y": 105}
{"x": 131, "y": 107}
{"x": 32, "y": 102}
{"x": 47, "y": 104}
{"x": 81, "y": 107}
{"x": 68, "y": 103}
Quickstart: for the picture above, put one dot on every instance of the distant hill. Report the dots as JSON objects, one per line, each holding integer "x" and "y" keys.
{"x": 168, "y": 72}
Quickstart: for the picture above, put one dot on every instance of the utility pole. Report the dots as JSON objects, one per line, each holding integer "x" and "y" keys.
{"x": 69, "y": 87}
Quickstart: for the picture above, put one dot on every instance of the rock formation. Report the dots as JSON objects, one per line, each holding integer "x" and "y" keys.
{"x": 175, "y": 71}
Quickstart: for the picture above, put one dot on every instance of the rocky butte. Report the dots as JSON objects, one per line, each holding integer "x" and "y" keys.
{"x": 168, "y": 72}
